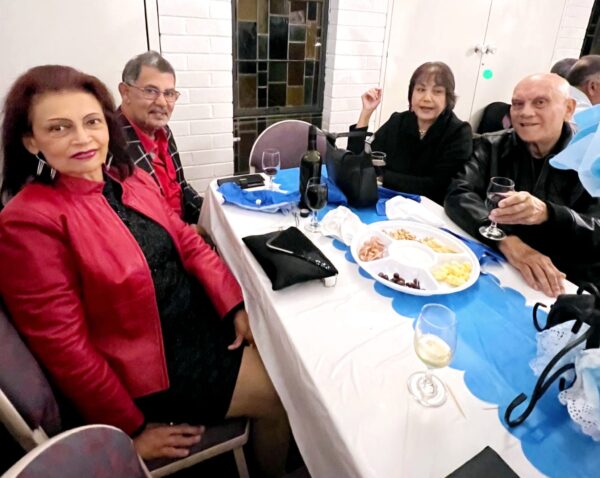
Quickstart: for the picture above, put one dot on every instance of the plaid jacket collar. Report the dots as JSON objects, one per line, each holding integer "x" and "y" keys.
{"x": 192, "y": 201}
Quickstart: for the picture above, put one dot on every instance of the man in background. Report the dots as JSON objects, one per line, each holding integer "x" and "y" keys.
{"x": 584, "y": 77}
{"x": 552, "y": 223}
{"x": 148, "y": 97}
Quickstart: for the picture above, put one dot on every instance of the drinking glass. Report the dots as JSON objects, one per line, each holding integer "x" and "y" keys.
{"x": 315, "y": 198}
{"x": 378, "y": 159}
{"x": 271, "y": 163}
{"x": 435, "y": 342}
{"x": 496, "y": 191}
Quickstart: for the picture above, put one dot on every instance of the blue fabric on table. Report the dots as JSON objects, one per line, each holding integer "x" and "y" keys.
{"x": 385, "y": 194}
{"x": 273, "y": 201}
{"x": 289, "y": 180}
{"x": 257, "y": 200}
{"x": 583, "y": 152}
{"x": 496, "y": 341}
{"x": 483, "y": 252}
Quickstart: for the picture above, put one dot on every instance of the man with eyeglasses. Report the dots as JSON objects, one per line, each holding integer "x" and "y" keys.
{"x": 148, "y": 97}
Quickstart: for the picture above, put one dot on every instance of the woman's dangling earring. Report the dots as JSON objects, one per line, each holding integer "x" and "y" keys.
{"x": 40, "y": 167}
{"x": 109, "y": 160}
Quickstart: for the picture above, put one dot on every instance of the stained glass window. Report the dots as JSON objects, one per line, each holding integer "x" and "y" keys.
{"x": 278, "y": 52}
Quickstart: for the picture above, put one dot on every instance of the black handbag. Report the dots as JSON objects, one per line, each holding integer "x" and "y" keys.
{"x": 353, "y": 174}
{"x": 289, "y": 257}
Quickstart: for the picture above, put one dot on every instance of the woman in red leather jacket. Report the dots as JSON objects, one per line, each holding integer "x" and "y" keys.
{"x": 136, "y": 319}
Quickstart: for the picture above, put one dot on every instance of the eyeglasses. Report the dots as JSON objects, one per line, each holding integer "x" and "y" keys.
{"x": 151, "y": 93}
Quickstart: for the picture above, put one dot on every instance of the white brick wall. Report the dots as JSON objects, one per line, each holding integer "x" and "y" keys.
{"x": 575, "y": 18}
{"x": 355, "y": 42}
{"x": 196, "y": 37}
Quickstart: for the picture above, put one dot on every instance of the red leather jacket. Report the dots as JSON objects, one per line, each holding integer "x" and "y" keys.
{"x": 79, "y": 289}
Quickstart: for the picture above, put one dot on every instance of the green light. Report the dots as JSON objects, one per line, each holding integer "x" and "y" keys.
{"x": 488, "y": 74}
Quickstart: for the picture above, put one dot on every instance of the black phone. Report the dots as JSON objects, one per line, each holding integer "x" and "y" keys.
{"x": 244, "y": 181}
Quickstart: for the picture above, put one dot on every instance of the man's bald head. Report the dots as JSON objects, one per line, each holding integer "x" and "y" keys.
{"x": 541, "y": 104}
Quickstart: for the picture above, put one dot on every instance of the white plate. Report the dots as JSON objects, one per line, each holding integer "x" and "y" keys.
{"x": 414, "y": 260}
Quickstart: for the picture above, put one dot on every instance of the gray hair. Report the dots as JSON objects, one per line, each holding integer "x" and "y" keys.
{"x": 153, "y": 59}
{"x": 585, "y": 68}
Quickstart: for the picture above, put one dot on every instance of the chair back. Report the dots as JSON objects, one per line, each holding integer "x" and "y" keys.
{"x": 495, "y": 117}
{"x": 28, "y": 407}
{"x": 93, "y": 451}
{"x": 290, "y": 137}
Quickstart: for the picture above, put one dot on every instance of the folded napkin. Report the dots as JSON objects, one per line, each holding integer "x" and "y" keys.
{"x": 483, "y": 253}
{"x": 262, "y": 200}
{"x": 400, "y": 207}
{"x": 386, "y": 194}
{"x": 342, "y": 224}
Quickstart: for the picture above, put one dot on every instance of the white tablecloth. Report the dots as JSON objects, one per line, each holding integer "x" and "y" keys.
{"x": 340, "y": 358}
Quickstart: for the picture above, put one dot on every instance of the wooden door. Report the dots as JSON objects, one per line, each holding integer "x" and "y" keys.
{"x": 434, "y": 30}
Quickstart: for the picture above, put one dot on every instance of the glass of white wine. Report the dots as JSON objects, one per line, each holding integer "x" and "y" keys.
{"x": 435, "y": 342}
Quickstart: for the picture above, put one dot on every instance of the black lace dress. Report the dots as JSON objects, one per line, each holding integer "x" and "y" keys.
{"x": 202, "y": 371}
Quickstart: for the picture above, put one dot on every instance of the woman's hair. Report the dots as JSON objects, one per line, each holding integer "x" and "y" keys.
{"x": 441, "y": 75}
{"x": 20, "y": 166}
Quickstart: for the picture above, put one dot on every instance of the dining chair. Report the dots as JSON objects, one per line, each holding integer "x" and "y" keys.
{"x": 290, "y": 137}
{"x": 30, "y": 413}
{"x": 92, "y": 451}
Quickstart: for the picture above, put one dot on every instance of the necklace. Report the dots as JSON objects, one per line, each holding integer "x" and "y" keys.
{"x": 422, "y": 133}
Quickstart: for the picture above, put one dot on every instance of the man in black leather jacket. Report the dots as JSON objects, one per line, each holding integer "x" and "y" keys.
{"x": 552, "y": 223}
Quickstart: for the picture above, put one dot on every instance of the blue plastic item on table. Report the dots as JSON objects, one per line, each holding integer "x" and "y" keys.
{"x": 583, "y": 152}
{"x": 265, "y": 200}
{"x": 262, "y": 200}
{"x": 496, "y": 341}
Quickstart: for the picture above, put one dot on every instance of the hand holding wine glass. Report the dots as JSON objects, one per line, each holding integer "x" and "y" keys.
{"x": 496, "y": 192}
{"x": 315, "y": 198}
{"x": 271, "y": 162}
{"x": 435, "y": 342}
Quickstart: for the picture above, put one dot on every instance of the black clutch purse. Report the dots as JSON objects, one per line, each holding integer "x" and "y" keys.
{"x": 289, "y": 257}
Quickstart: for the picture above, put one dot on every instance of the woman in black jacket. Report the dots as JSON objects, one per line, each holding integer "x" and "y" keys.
{"x": 426, "y": 145}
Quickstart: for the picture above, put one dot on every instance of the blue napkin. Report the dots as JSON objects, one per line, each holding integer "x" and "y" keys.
{"x": 385, "y": 194}
{"x": 289, "y": 180}
{"x": 583, "y": 152}
{"x": 259, "y": 200}
{"x": 483, "y": 253}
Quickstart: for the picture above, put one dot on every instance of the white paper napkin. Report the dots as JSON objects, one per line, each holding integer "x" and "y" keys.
{"x": 342, "y": 224}
{"x": 406, "y": 209}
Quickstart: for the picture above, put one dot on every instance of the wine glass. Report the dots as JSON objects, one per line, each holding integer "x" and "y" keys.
{"x": 315, "y": 198}
{"x": 271, "y": 163}
{"x": 435, "y": 342}
{"x": 378, "y": 159}
{"x": 496, "y": 191}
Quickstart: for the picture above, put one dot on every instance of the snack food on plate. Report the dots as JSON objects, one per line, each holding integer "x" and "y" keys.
{"x": 396, "y": 279}
{"x": 371, "y": 249}
{"x": 437, "y": 246}
{"x": 401, "y": 234}
{"x": 453, "y": 273}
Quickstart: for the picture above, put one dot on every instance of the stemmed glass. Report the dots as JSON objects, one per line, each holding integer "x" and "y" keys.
{"x": 496, "y": 191}
{"x": 271, "y": 162}
{"x": 435, "y": 342}
{"x": 315, "y": 198}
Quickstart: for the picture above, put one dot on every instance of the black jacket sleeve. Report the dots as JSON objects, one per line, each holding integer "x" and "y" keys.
{"x": 456, "y": 150}
{"x": 465, "y": 201}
